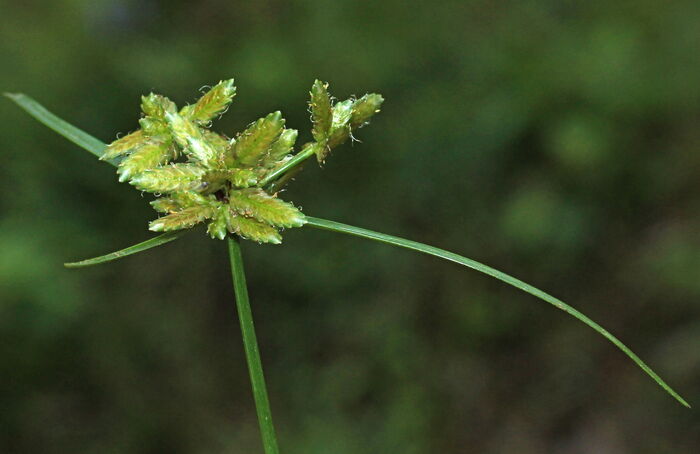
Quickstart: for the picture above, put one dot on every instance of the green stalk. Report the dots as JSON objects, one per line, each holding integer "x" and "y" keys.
{"x": 298, "y": 158}
{"x": 252, "y": 353}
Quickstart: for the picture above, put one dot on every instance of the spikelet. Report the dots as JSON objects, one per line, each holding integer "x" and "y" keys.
{"x": 264, "y": 207}
{"x": 152, "y": 154}
{"x": 222, "y": 148}
{"x": 252, "y": 229}
{"x": 321, "y": 114}
{"x": 125, "y": 145}
{"x": 253, "y": 144}
{"x": 191, "y": 198}
{"x": 220, "y": 143}
{"x": 180, "y": 200}
{"x": 184, "y": 219}
{"x": 156, "y": 106}
{"x": 243, "y": 178}
{"x": 165, "y": 205}
{"x": 340, "y": 129}
{"x": 364, "y": 108}
{"x": 281, "y": 148}
{"x": 175, "y": 177}
{"x": 153, "y": 127}
{"x": 212, "y": 104}
{"x": 218, "y": 226}
{"x": 190, "y": 138}
{"x": 213, "y": 180}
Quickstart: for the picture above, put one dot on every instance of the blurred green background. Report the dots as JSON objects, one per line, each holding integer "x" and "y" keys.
{"x": 556, "y": 140}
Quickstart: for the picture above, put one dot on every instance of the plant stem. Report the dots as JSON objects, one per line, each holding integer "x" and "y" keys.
{"x": 298, "y": 158}
{"x": 250, "y": 344}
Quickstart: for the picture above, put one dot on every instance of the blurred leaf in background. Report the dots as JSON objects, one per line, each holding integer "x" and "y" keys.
{"x": 556, "y": 140}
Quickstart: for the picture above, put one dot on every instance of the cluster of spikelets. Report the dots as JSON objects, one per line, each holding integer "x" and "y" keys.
{"x": 200, "y": 176}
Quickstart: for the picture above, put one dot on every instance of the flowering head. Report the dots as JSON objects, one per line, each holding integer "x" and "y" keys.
{"x": 201, "y": 176}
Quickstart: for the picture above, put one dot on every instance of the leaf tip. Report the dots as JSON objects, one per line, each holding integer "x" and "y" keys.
{"x": 683, "y": 401}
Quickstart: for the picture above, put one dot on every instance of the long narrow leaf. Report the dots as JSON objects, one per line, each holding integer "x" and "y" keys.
{"x": 96, "y": 147}
{"x": 396, "y": 241}
{"x": 148, "y": 244}
{"x": 70, "y": 132}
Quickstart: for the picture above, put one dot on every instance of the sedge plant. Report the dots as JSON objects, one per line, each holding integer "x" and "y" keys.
{"x": 231, "y": 185}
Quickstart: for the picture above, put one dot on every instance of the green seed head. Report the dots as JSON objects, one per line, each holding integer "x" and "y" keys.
{"x": 201, "y": 176}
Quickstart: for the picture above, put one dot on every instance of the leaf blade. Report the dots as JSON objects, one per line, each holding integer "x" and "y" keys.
{"x": 477, "y": 266}
{"x": 140, "y": 247}
{"x": 62, "y": 127}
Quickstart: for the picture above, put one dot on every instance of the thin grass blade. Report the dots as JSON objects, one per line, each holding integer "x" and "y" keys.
{"x": 96, "y": 147}
{"x": 70, "y": 132}
{"x": 143, "y": 246}
{"x": 441, "y": 253}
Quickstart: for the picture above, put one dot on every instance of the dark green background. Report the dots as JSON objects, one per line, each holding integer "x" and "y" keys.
{"x": 556, "y": 140}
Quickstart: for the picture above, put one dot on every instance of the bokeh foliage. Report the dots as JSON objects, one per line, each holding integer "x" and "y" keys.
{"x": 556, "y": 140}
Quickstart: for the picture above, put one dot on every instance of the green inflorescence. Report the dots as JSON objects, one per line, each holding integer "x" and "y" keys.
{"x": 201, "y": 176}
